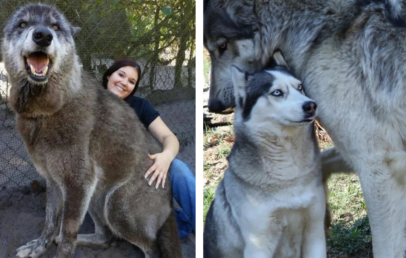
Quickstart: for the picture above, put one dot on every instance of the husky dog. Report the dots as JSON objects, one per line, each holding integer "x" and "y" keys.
{"x": 88, "y": 144}
{"x": 271, "y": 201}
{"x": 350, "y": 56}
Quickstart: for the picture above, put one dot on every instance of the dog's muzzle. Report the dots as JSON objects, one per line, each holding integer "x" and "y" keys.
{"x": 37, "y": 65}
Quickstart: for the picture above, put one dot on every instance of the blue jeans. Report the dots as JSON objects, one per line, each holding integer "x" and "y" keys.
{"x": 184, "y": 189}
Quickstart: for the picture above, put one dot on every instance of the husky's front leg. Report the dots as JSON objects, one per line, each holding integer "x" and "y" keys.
{"x": 263, "y": 243}
{"x": 37, "y": 247}
{"x": 314, "y": 239}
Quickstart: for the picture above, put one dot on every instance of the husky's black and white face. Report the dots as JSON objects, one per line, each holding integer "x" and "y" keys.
{"x": 38, "y": 42}
{"x": 271, "y": 96}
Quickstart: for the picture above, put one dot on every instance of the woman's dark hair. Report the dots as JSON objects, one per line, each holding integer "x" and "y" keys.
{"x": 117, "y": 65}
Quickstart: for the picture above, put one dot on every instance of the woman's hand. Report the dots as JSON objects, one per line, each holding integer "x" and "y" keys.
{"x": 159, "y": 169}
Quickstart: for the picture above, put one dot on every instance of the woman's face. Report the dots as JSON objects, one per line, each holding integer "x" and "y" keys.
{"x": 122, "y": 81}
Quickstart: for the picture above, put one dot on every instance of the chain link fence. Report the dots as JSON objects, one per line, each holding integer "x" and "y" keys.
{"x": 158, "y": 34}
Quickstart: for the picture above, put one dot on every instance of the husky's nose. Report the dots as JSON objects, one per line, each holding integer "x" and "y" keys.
{"x": 309, "y": 107}
{"x": 43, "y": 37}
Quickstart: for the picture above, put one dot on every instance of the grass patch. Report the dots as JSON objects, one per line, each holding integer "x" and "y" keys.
{"x": 208, "y": 197}
{"x": 350, "y": 235}
{"x": 350, "y": 239}
{"x": 223, "y": 151}
{"x": 215, "y": 137}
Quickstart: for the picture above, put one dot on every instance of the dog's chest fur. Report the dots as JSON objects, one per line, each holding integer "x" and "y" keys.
{"x": 268, "y": 216}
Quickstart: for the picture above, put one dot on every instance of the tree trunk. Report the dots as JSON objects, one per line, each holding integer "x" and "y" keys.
{"x": 155, "y": 56}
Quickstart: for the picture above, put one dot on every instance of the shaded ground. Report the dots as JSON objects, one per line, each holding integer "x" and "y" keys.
{"x": 22, "y": 219}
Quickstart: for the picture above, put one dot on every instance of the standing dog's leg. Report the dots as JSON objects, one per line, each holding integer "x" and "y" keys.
{"x": 102, "y": 234}
{"x": 37, "y": 247}
{"x": 385, "y": 199}
{"x": 333, "y": 162}
{"x": 78, "y": 182}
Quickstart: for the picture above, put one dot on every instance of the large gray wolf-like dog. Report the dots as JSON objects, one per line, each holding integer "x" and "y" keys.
{"x": 350, "y": 54}
{"x": 88, "y": 144}
{"x": 271, "y": 201}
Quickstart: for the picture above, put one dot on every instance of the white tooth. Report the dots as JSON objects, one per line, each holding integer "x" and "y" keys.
{"x": 32, "y": 69}
{"x": 45, "y": 70}
{"x": 47, "y": 60}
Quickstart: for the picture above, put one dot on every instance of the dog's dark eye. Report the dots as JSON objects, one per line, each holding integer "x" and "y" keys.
{"x": 55, "y": 27}
{"x": 22, "y": 25}
{"x": 300, "y": 87}
{"x": 223, "y": 47}
{"x": 277, "y": 93}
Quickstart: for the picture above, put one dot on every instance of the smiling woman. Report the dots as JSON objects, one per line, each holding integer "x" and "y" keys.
{"x": 122, "y": 82}
{"x": 122, "y": 79}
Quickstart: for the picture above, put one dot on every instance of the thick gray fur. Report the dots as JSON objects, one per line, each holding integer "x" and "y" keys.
{"x": 271, "y": 200}
{"x": 87, "y": 143}
{"x": 350, "y": 56}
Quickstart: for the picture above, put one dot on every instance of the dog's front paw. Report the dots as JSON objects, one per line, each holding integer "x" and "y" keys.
{"x": 32, "y": 249}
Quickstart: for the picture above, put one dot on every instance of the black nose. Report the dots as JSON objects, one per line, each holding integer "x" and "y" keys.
{"x": 216, "y": 106}
{"x": 309, "y": 107}
{"x": 43, "y": 37}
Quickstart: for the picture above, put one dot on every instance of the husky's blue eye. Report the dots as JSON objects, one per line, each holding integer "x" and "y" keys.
{"x": 277, "y": 93}
{"x": 300, "y": 87}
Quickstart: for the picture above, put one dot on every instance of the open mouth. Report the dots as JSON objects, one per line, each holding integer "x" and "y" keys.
{"x": 38, "y": 65}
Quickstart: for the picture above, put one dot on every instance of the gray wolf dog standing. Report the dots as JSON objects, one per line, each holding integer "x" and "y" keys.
{"x": 271, "y": 201}
{"x": 350, "y": 54}
{"x": 87, "y": 144}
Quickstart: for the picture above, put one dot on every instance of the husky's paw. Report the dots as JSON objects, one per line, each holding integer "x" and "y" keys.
{"x": 32, "y": 249}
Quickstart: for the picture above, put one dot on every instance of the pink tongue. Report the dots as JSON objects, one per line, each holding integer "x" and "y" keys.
{"x": 39, "y": 63}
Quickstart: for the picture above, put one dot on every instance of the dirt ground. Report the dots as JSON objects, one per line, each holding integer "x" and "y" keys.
{"x": 22, "y": 216}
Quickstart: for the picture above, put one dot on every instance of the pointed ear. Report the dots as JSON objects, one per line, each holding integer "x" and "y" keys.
{"x": 279, "y": 59}
{"x": 239, "y": 79}
{"x": 75, "y": 30}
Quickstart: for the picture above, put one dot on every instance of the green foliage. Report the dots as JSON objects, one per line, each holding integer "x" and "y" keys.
{"x": 208, "y": 197}
{"x": 223, "y": 152}
{"x": 350, "y": 239}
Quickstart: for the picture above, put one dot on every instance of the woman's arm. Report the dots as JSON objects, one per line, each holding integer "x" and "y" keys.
{"x": 162, "y": 160}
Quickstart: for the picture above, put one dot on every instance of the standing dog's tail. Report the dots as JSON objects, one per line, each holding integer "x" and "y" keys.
{"x": 168, "y": 238}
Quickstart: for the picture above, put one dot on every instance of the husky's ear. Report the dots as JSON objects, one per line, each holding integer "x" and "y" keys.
{"x": 239, "y": 79}
{"x": 278, "y": 59}
{"x": 75, "y": 30}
